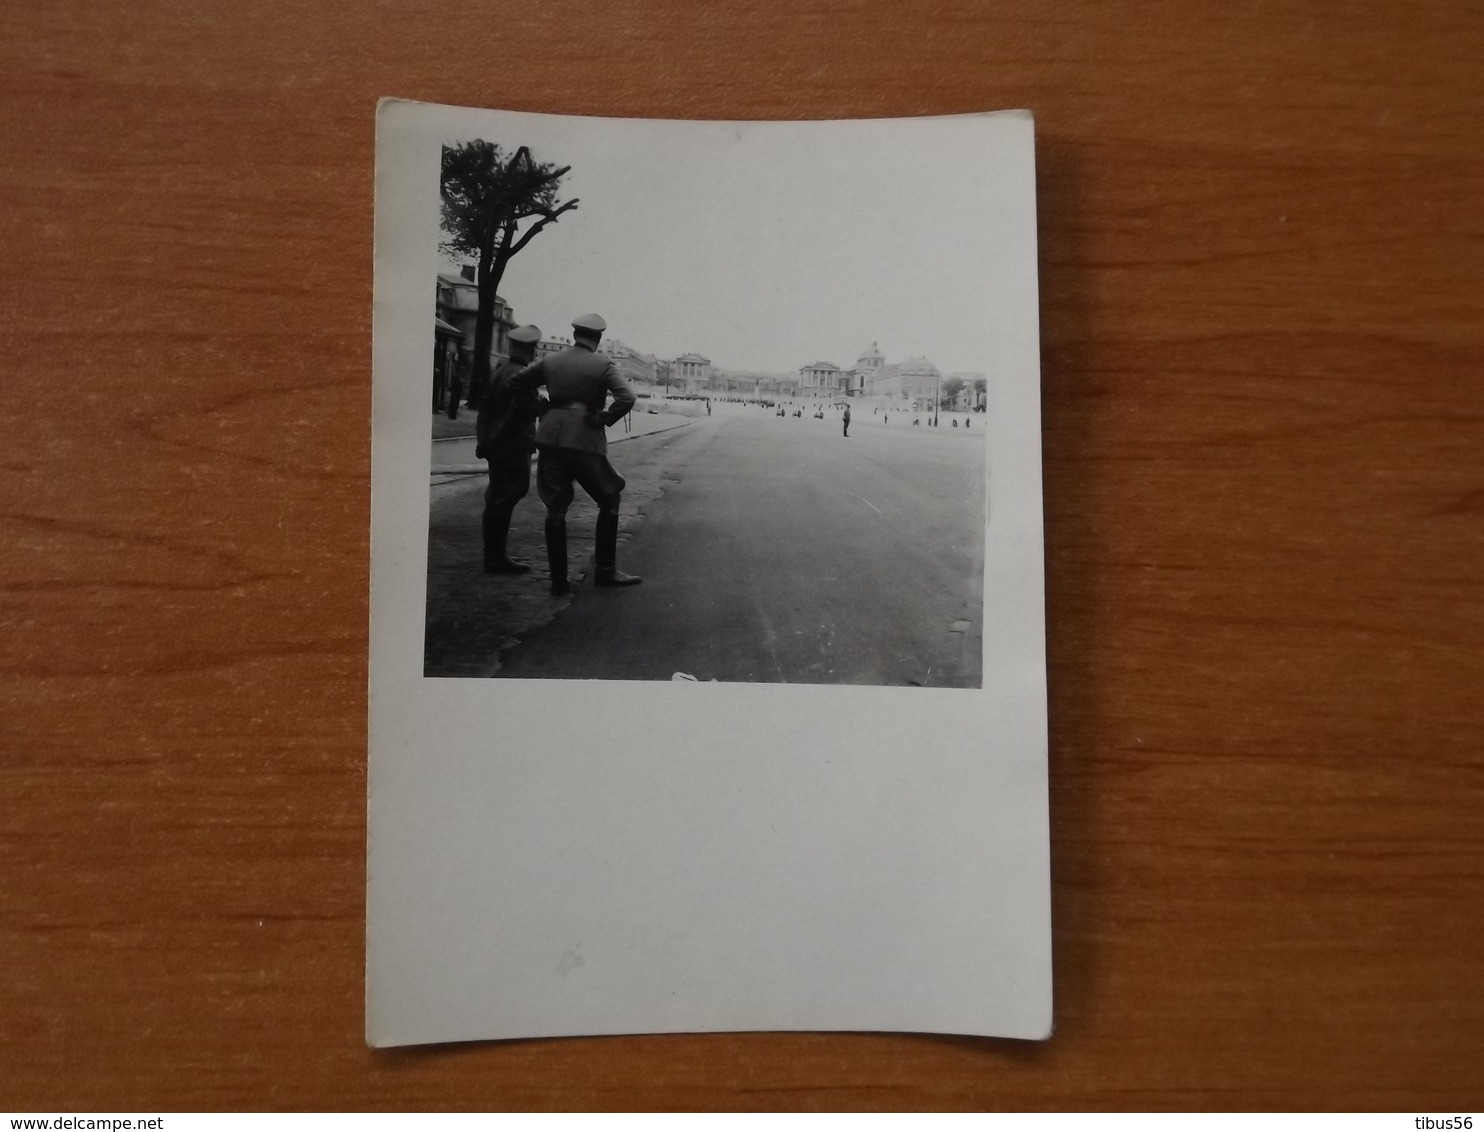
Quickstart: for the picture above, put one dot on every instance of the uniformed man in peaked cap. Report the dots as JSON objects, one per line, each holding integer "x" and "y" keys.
{"x": 572, "y": 446}
{"x": 505, "y": 435}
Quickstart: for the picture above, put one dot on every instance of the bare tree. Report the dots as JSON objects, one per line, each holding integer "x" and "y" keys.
{"x": 489, "y": 199}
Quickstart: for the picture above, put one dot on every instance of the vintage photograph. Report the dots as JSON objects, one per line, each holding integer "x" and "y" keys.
{"x": 698, "y": 414}
{"x": 707, "y": 667}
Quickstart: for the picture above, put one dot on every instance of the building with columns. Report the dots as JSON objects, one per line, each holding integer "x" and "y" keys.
{"x": 822, "y": 379}
{"x": 692, "y": 372}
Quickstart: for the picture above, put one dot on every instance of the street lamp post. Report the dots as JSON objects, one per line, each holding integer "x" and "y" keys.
{"x": 937, "y": 398}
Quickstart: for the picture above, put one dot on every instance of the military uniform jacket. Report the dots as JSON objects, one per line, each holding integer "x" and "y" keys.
{"x": 507, "y": 421}
{"x": 578, "y": 381}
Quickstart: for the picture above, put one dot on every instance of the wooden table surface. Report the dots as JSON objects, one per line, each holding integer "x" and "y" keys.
{"x": 1263, "y": 329}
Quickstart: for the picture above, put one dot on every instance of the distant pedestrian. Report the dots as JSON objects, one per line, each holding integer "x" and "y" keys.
{"x": 456, "y": 386}
{"x": 572, "y": 447}
{"x": 847, "y": 420}
{"x": 505, "y": 436}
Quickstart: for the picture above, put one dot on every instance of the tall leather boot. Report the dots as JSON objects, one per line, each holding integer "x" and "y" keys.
{"x": 605, "y": 554}
{"x": 556, "y": 553}
{"x": 496, "y": 537}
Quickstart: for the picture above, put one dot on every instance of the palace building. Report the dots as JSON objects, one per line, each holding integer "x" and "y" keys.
{"x": 822, "y": 379}
{"x": 916, "y": 381}
{"x": 692, "y": 372}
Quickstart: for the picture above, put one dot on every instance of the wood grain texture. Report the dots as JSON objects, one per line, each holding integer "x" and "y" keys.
{"x": 1263, "y": 327}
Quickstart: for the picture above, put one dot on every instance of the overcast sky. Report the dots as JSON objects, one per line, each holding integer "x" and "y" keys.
{"x": 770, "y": 246}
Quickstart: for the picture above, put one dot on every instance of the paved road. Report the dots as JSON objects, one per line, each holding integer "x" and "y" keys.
{"x": 781, "y": 551}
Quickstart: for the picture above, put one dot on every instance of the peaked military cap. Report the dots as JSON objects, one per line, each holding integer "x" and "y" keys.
{"x": 590, "y": 322}
{"x": 526, "y": 334}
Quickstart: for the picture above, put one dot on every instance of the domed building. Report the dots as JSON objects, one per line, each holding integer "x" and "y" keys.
{"x": 867, "y": 366}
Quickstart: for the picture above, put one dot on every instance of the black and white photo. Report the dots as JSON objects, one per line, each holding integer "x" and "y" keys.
{"x": 681, "y": 351}
{"x": 707, "y": 676}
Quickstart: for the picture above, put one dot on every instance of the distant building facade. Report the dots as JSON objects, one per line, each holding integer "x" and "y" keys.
{"x": 554, "y": 345}
{"x": 446, "y": 339}
{"x": 755, "y": 383}
{"x": 457, "y": 308}
{"x": 822, "y": 379}
{"x": 867, "y": 367}
{"x": 633, "y": 366}
{"x": 692, "y": 372}
{"x": 970, "y": 398}
{"x": 915, "y": 381}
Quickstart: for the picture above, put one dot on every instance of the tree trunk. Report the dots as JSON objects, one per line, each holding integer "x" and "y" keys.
{"x": 491, "y": 271}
